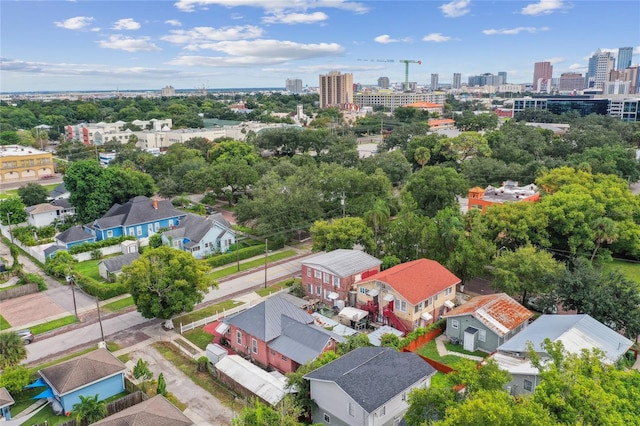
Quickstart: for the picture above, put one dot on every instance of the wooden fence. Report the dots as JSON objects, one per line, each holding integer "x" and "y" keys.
{"x": 115, "y": 406}
{"x": 21, "y": 290}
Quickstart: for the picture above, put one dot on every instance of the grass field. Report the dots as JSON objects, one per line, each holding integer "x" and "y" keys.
{"x": 14, "y": 192}
{"x": 220, "y": 273}
{"x": 429, "y": 350}
{"x": 4, "y": 324}
{"x": 89, "y": 269}
{"x": 199, "y": 337}
{"x": 630, "y": 269}
{"x": 118, "y": 304}
{"x": 271, "y": 289}
{"x": 206, "y": 312}
{"x": 52, "y": 325}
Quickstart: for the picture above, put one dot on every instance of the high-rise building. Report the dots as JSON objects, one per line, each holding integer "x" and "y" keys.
{"x": 632, "y": 74}
{"x": 600, "y": 64}
{"x": 625, "y": 54}
{"x": 383, "y": 82}
{"x": 294, "y": 85}
{"x": 335, "y": 89}
{"x": 457, "y": 81}
{"x": 503, "y": 74}
{"x": 542, "y": 75}
{"x": 168, "y": 91}
{"x": 434, "y": 82}
{"x": 570, "y": 82}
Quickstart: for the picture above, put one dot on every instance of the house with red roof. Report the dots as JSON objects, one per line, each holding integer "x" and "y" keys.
{"x": 410, "y": 295}
{"x": 427, "y": 106}
{"x": 486, "y": 322}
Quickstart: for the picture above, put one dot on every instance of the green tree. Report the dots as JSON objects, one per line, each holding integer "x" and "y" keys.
{"x": 60, "y": 265}
{"x": 377, "y": 217}
{"x": 394, "y": 164}
{"x": 90, "y": 189}
{"x": 606, "y": 232}
{"x": 467, "y": 145}
{"x": 429, "y": 404}
{"x": 12, "y": 349}
{"x": 353, "y": 342}
{"x": 32, "y": 194}
{"x": 162, "y": 385}
{"x": 526, "y": 270}
{"x": 422, "y": 155}
{"x": 297, "y": 382}
{"x": 342, "y": 233}
{"x": 141, "y": 370}
{"x": 232, "y": 151}
{"x": 15, "y": 378}
{"x": 155, "y": 240}
{"x": 89, "y": 410}
{"x": 12, "y": 211}
{"x": 165, "y": 281}
{"x": 435, "y": 188}
{"x": 487, "y": 377}
{"x": 286, "y": 413}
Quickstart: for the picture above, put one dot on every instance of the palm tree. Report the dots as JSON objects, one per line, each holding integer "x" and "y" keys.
{"x": 89, "y": 410}
{"x": 422, "y": 155}
{"x": 377, "y": 216}
{"x": 606, "y": 232}
{"x": 12, "y": 349}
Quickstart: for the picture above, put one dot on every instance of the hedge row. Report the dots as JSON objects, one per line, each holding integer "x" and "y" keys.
{"x": 226, "y": 258}
{"x": 421, "y": 331}
{"x": 100, "y": 290}
{"x": 81, "y": 248}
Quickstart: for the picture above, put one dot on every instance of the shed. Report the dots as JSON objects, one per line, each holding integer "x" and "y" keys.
{"x": 114, "y": 265}
{"x": 215, "y": 353}
{"x": 248, "y": 378}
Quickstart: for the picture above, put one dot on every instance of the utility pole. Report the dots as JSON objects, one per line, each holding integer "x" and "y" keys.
{"x": 266, "y": 251}
{"x": 72, "y": 284}
{"x": 100, "y": 319}
{"x": 344, "y": 207}
{"x": 9, "y": 222}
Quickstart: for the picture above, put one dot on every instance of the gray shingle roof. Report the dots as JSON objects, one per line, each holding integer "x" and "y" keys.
{"x": 63, "y": 203}
{"x": 264, "y": 321}
{"x": 218, "y": 217}
{"x": 58, "y": 191}
{"x": 301, "y": 342}
{"x": 5, "y": 398}
{"x": 156, "y": 411}
{"x": 193, "y": 227}
{"x": 115, "y": 264}
{"x": 135, "y": 211}
{"x": 576, "y": 332}
{"x": 52, "y": 249}
{"x": 74, "y": 234}
{"x": 79, "y": 372}
{"x": 374, "y": 375}
{"x": 343, "y": 262}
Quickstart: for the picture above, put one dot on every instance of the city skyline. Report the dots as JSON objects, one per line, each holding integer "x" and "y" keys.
{"x": 188, "y": 44}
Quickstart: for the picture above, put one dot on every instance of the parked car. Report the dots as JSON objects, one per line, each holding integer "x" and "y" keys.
{"x": 27, "y": 336}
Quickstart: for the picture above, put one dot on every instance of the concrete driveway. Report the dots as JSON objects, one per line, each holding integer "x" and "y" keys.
{"x": 204, "y": 409}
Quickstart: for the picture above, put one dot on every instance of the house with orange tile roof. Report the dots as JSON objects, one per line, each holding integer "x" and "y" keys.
{"x": 410, "y": 295}
{"x": 441, "y": 123}
{"x": 426, "y": 106}
{"x": 509, "y": 192}
{"x": 486, "y": 322}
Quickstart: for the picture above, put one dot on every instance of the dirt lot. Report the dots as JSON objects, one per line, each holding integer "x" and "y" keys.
{"x": 29, "y": 309}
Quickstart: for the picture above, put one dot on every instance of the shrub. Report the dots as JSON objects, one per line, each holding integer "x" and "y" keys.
{"x": 226, "y": 258}
{"x": 142, "y": 371}
{"x": 96, "y": 254}
{"x": 100, "y": 290}
{"x": 81, "y": 248}
{"x": 36, "y": 279}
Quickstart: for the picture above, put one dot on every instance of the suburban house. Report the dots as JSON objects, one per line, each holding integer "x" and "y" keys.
{"x": 330, "y": 276}
{"x": 201, "y": 236}
{"x": 410, "y": 295}
{"x": 485, "y": 322}
{"x": 6, "y": 401}
{"x": 156, "y": 411}
{"x": 74, "y": 236}
{"x": 112, "y": 267}
{"x": 367, "y": 386}
{"x": 576, "y": 332}
{"x": 277, "y": 334}
{"x": 139, "y": 217}
{"x": 509, "y": 192}
{"x": 98, "y": 372}
{"x": 45, "y": 214}
{"x": 60, "y": 192}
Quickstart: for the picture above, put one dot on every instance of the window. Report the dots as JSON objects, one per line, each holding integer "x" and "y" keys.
{"x": 239, "y": 337}
{"x": 139, "y": 230}
{"x": 429, "y": 302}
{"x": 404, "y": 396}
{"x": 149, "y": 228}
{"x": 528, "y": 385}
{"x": 109, "y": 233}
{"x": 318, "y": 290}
{"x": 131, "y": 232}
{"x": 156, "y": 226}
{"x": 284, "y": 358}
{"x": 363, "y": 290}
{"x": 327, "y": 418}
{"x": 435, "y": 297}
{"x": 383, "y": 410}
{"x": 308, "y": 271}
{"x": 272, "y": 352}
{"x": 196, "y": 248}
{"x": 254, "y": 346}
{"x": 401, "y": 305}
{"x": 310, "y": 289}
{"x": 482, "y": 336}
{"x": 325, "y": 278}
{"x": 418, "y": 308}
{"x": 448, "y": 291}
{"x": 454, "y": 324}
{"x": 317, "y": 274}
{"x": 336, "y": 281}
{"x": 170, "y": 222}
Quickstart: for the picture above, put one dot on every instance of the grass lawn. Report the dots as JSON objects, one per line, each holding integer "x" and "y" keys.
{"x": 630, "y": 269}
{"x": 52, "y": 325}
{"x": 23, "y": 400}
{"x": 118, "y": 304}
{"x": 199, "y": 337}
{"x": 89, "y": 268}
{"x": 430, "y": 351}
{"x": 46, "y": 414}
{"x": 272, "y": 289}
{"x": 124, "y": 358}
{"x": 220, "y": 273}
{"x": 459, "y": 349}
{"x": 439, "y": 380}
{"x": 206, "y": 312}
{"x": 4, "y": 324}
{"x": 190, "y": 368}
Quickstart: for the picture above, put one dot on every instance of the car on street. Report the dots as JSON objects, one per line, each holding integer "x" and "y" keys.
{"x": 26, "y": 335}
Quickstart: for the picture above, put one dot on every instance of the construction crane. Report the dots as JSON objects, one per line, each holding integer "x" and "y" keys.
{"x": 406, "y": 71}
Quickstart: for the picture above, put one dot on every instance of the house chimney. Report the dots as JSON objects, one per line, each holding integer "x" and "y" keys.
{"x": 155, "y": 204}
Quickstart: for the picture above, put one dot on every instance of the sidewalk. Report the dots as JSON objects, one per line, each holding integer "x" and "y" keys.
{"x": 442, "y": 350}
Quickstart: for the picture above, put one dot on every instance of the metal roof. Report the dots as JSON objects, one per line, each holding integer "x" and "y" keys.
{"x": 253, "y": 378}
{"x": 343, "y": 262}
{"x": 576, "y": 332}
{"x": 302, "y": 342}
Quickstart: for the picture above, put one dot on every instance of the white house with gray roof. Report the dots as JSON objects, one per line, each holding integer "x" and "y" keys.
{"x": 201, "y": 236}
{"x": 368, "y": 386}
{"x": 330, "y": 276}
{"x": 576, "y": 332}
{"x": 112, "y": 267}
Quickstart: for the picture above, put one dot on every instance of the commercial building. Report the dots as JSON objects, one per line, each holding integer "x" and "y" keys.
{"x": 620, "y": 107}
{"x": 503, "y": 75}
{"x": 570, "y": 82}
{"x": 542, "y": 75}
{"x": 600, "y": 65}
{"x": 457, "y": 81}
{"x": 168, "y": 91}
{"x": 393, "y": 100}
{"x": 434, "y": 82}
{"x": 625, "y": 54}
{"x": 486, "y": 79}
{"x": 21, "y": 163}
{"x": 335, "y": 89}
{"x": 383, "y": 82}
{"x": 294, "y": 85}
{"x": 509, "y": 192}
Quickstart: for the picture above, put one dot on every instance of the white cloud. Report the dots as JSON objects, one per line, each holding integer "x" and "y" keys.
{"x": 577, "y": 67}
{"x": 77, "y": 23}
{"x": 513, "y": 31}
{"x": 543, "y": 7}
{"x": 456, "y": 8}
{"x": 126, "y": 24}
{"x": 322, "y": 68}
{"x": 556, "y": 60}
{"x": 206, "y": 34}
{"x": 295, "y": 18}
{"x": 274, "y": 5}
{"x": 173, "y": 22}
{"x": 278, "y": 50}
{"x": 386, "y": 39}
{"x": 436, "y": 37}
{"x": 129, "y": 44}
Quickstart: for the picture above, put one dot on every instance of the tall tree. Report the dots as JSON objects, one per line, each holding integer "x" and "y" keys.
{"x": 161, "y": 389}
{"x": 33, "y": 194}
{"x": 342, "y": 233}
{"x": 435, "y": 188}
{"x": 12, "y": 349}
{"x": 165, "y": 281}
{"x": 89, "y": 410}
{"x": 90, "y": 187}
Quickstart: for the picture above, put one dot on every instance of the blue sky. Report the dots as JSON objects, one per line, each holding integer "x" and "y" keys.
{"x": 139, "y": 44}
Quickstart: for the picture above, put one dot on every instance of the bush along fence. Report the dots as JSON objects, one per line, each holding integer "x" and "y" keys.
{"x": 422, "y": 335}
{"x": 243, "y": 253}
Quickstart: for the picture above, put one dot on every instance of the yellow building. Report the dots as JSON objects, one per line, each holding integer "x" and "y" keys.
{"x": 21, "y": 163}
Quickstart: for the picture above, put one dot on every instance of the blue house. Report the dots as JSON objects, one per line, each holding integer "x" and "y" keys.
{"x": 74, "y": 236}
{"x": 98, "y": 372}
{"x": 201, "y": 236}
{"x": 139, "y": 217}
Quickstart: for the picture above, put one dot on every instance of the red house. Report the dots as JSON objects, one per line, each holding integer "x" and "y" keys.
{"x": 330, "y": 276}
{"x": 278, "y": 334}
